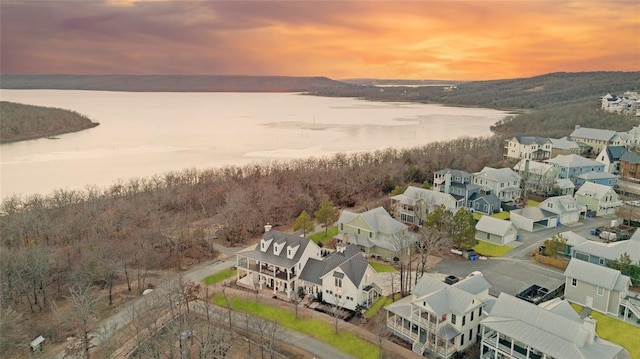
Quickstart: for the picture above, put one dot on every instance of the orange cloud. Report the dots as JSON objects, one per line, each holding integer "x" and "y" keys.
{"x": 463, "y": 40}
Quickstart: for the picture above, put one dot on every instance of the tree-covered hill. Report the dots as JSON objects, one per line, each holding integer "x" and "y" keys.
{"x": 23, "y": 122}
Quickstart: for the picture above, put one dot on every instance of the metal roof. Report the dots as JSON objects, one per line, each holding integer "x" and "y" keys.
{"x": 597, "y": 275}
{"x": 612, "y": 251}
{"x": 596, "y": 175}
{"x": 593, "y": 133}
{"x": 573, "y": 160}
{"x": 564, "y": 143}
{"x": 529, "y": 139}
{"x": 595, "y": 190}
{"x": 493, "y": 225}
{"x": 378, "y": 220}
{"x": 498, "y": 174}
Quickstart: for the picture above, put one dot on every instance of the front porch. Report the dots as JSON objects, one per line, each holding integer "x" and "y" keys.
{"x": 279, "y": 283}
{"x": 422, "y": 339}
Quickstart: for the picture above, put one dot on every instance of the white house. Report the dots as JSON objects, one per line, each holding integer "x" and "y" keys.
{"x": 517, "y": 329}
{"x": 610, "y": 157}
{"x": 538, "y": 176}
{"x": 601, "y": 199}
{"x": 503, "y": 182}
{"x": 343, "y": 278}
{"x": 533, "y": 218}
{"x": 528, "y": 147}
{"x": 415, "y": 203}
{"x": 495, "y": 230}
{"x": 596, "y": 138}
{"x": 566, "y": 207}
{"x": 275, "y": 262}
{"x": 440, "y": 318}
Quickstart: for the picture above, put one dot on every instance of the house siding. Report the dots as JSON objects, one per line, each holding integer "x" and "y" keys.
{"x": 579, "y": 293}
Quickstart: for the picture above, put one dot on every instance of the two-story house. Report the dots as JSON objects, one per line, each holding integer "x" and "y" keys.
{"x": 610, "y": 156}
{"x": 630, "y": 165}
{"x": 275, "y": 262}
{"x": 598, "y": 287}
{"x": 596, "y": 138}
{"x": 538, "y": 177}
{"x": 566, "y": 207}
{"x": 440, "y": 318}
{"x": 517, "y": 329}
{"x": 603, "y": 178}
{"x": 343, "y": 278}
{"x": 375, "y": 232}
{"x": 460, "y": 185}
{"x": 503, "y": 182}
{"x": 528, "y": 147}
{"x": 564, "y": 146}
{"x": 415, "y": 203}
{"x": 601, "y": 199}
{"x": 569, "y": 166}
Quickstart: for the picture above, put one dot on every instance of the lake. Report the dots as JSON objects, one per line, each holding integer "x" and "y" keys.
{"x": 143, "y": 133}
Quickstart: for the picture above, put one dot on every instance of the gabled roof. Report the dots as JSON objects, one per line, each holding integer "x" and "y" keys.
{"x": 351, "y": 261}
{"x": 594, "y": 190}
{"x": 573, "y": 160}
{"x": 281, "y": 260}
{"x": 498, "y": 174}
{"x": 546, "y": 331}
{"x": 631, "y": 157}
{"x": 561, "y": 204}
{"x": 564, "y": 143}
{"x": 564, "y": 183}
{"x": 614, "y": 153}
{"x": 533, "y": 213}
{"x": 377, "y": 219}
{"x": 572, "y": 238}
{"x": 561, "y": 307}
{"x": 597, "y": 275}
{"x": 593, "y": 133}
{"x": 491, "y": 199}
{"x": 535, "y": 167}
{"x": 494, "y": 225}
{"x": 433, "y": 198}
{"x": 528, "y": 140}
{"x": 454, "y": 173}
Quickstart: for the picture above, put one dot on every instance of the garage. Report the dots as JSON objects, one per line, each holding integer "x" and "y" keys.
{"x": 533, "y": 219}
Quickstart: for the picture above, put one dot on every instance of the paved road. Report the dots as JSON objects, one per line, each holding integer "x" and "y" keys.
{"x": 515, "y": 271}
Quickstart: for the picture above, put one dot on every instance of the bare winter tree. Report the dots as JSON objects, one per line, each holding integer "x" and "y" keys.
{"x": 83, "y": 314}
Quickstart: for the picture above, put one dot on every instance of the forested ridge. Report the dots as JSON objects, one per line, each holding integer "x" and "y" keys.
{"x": 24, "y": 122}
{"x": 105, "y": 237}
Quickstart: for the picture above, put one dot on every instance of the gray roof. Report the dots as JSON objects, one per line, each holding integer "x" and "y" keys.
{"x": 546, "y": 331}
{"x": 281, "y": 260}
{"x": 564, "y": 183}
{"x": 572, "y": 238}
{"x": 593, "y": 133}
{"x": 597, "y": 275}
{"x": 412, "y": 194}
{"x": 563, "y": 143}
{"x": 378, "y": 220}
{"x": 613, "y": 251}
{"x": 615, "y": 152}
{"x": 401, "y": 307}
{"x": 535, "y": 167}
{"x": 493, "y": 225}
{"x": 533, "y": 213}
{"x": 573, "y": 160}
{"x": 594, "y": 190}
{"x": 454, "y": 173}
{"x": 442, "y": 298}
{"x": 596, "y": 176}
{"x": 474, "y": 284}
{"x": 498, "y": 174}
{"x": 560, "y": 204}
{"x": 528, "y": 139}
{"x": 630, "y": 157}
{"x": 490, "y": 198}
{"x": 351, "y": 262}
{"x": 561, "y": 307}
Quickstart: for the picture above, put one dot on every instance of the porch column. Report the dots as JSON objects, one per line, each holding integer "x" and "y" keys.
{"x": 288, "y": 283}
{"x": 238, "y": 266}
{"x": 260, "y": 277}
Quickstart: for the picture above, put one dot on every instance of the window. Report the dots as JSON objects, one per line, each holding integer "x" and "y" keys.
{"x": 370, "y": 234}
{"x": 341, "y": 226}
{"x": 488, "y": 235}
{"x": 462, "y": 339}
{"x": 574, "y": 282}
{"x": 601, "y": 261}
{"x": 471, "y": 316}
{"x": 464, "y": 320}
{"x": 338, "y": 282}
{"x": 600, "y": 291}
{"x": 453, "y": 318}
{"x": 358, "y": 230}
{"x": 479, "y": 312}
{"x": 471, "y": 334}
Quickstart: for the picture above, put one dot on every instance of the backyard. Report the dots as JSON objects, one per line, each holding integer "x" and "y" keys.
{"x": 616, "y": 331}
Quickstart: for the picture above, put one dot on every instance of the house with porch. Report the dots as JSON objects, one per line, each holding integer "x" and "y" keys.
{"x": 601, "y": 199}
{"x": 564, "y": 146}
{"x": 503, "y": 182}
{"x": 412, "y": 206}
{"x": 539, "y": 177}
{"x": 275, "y": 262}
{"x": 528, "y": 147}
{"x": 566, "y": 207}
{"x": 518, "y": 329}
{"x": 597, "y": 287}
{"x": 495, "y": 230}
{"x": 460, "y": 185}
{"x": 610, "y": 156}
{"x": 344, "y": 278}
{"x": 375, "y": 232}
{"x": 440, "y": 318}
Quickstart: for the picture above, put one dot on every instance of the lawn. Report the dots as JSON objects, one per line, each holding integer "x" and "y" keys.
{"x": 319, "y": 237}
{"x": 345, "y": 341}
{"x": 491, "y": 250}
{"x": 616, "y": 331}
{"x": 382, "y": 267}
{"x": 499, "y": 215}
{"x": 532, "y": 203}
{"x": 381, "y": 302}
{"x": 220, "y": 276}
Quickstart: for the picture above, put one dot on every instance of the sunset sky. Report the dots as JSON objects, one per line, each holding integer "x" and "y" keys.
{"x": 422, "y": 39}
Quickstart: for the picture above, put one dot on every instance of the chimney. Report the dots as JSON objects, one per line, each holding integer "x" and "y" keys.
{"x": 267, "y": 227}
{"x": 447, "y": 182}
{"x": 340, "y": 247}
{"x": 577, "y": 127}
{"x": 590, "y": 325}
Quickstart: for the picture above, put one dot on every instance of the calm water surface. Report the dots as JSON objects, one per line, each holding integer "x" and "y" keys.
{"x": 142, "y": 134}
